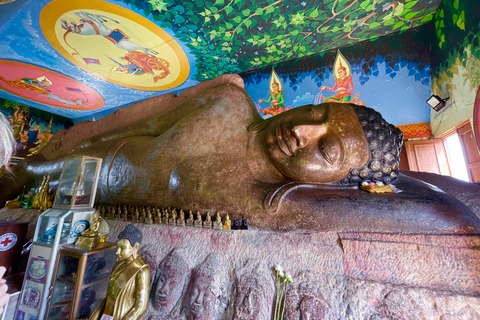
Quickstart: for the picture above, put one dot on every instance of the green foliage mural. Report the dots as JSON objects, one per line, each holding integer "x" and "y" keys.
{"x": 240, "y": 35}
{"x": 457, "y": 34}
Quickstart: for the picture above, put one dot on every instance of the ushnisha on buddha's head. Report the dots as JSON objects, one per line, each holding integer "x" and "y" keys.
{"x": 330, "y": 143}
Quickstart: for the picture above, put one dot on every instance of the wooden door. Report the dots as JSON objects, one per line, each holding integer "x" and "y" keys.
{"x": 470, "y": 151}
{"x": 427, "y": 156}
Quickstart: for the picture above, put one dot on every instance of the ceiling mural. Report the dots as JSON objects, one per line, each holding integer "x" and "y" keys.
{"x": 241, "y": 35}
{"x": 130, "y": 50}
{"x": 115, "y": 44}
{"x": 47, "y": 86}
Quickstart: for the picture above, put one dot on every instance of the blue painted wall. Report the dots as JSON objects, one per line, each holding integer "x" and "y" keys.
{"x": 390, "y": 74}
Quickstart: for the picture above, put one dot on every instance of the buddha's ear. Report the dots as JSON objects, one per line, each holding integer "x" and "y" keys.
{"x": 136, "y": 246}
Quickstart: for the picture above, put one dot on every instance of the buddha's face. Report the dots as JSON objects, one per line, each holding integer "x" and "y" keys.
{"x": 202, "y": 299}
{"x": 171, "y": 280}
{"x": 315, "y": 144}
{"x": 125, "y": 251}
{"x": 342, "y": 73}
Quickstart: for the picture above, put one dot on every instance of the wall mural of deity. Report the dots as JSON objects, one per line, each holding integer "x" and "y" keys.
{"x": 115, "y": 44}
{"x": 32, "y": 128}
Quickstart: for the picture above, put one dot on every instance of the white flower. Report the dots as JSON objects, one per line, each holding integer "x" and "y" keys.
{"x": 278, "y": 268}
{"x": 288, "y": 276}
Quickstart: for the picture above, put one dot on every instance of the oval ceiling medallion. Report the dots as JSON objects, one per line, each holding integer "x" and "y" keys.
{"x": 46, "y": 86}
{"x": 115, "y": 44}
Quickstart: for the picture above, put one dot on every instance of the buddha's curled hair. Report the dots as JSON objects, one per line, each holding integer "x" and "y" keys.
{"x": 132, "y": 234}
{"x": 384, "y": 142}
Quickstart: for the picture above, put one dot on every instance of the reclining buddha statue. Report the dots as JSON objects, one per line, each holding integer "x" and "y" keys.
{"x": 208, "y": 149}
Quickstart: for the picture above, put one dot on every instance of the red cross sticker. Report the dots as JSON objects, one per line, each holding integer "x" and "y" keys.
{"x": 6, "y": 242}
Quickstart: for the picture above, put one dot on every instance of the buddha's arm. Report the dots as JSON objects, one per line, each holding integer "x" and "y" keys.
{"x": 142, "y": 282}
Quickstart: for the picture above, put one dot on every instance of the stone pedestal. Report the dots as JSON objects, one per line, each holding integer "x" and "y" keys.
{"x": 229, "y": 274}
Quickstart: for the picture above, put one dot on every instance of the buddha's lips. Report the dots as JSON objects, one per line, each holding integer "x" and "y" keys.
{"x": 284, "y": 139}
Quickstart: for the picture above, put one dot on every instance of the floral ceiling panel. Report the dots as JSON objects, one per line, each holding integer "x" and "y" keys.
{"x": 87, "y": 58}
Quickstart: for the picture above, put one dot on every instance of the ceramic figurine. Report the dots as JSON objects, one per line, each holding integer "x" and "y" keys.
{"x": 158, "y": 216}
{"x": 217, "y": 224}
{"x": 94, "y": 235}
{"x": 118, "y": 216}
{"x": 111, "y": 213}
{"x": 235, "y": 225}
{"x": 207, "y": 224}
{"x": 228, "y": 223}
{"x": 190, "y": 219}
{"x": 137, "y": 216}
{"x": 243, "y": 224}
{"x": 181, "y": 219}
{"x": 165, "y": 217}
{"x": 198, "y": 222}
{"x": 173, "y": 218}
{"x": 149, "y": 219}
{"x": 128, "y": 288}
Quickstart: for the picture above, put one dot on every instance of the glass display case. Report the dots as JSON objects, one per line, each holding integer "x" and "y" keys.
{"x": 80, "y": 281}
{"x": 78, "y": 182}
{"x": 60, "y": 225}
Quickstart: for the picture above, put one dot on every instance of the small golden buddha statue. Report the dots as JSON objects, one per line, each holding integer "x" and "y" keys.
{"x": 137, "y": 216}
{"x": 228, "y": 223}
{"x": 128, "y": 288}
{"x": 173, "y": 218}
{"x": 111, "y": 212}
{"x": 198, "y": 222}
{"x": 158, "y": 216}
{"x": 207, "y": 224}
{"x": 143, "y": 215}
{"x": 181, "y": 219}
{"x": 148, "y": 219}
{"x": 96, "y": 234}
{"x": 217, "y": 224}
{"x": 189, "y": 221}
{"x": 165, "y": 217}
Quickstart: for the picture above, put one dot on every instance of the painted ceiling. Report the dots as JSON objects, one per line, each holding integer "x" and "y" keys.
{"x": 82, "y": 59}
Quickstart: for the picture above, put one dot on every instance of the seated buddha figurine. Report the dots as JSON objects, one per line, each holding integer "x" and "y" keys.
{"x": 198, "y": 222}
{"x": 198, "y": 152}
{"x": 189, "y": 221}
{"x": 217, "y": 224}
{"x": 158, "y": 216}
{"x": 128, "y": 288}
{"x": 207, "y": 224}
{"x": 228, "y": 223}
{"x": 149, "y": 219}
{"x": 173, "y": 218}
{"x": 181, "y": 219}
{"x": 94, "y": 235}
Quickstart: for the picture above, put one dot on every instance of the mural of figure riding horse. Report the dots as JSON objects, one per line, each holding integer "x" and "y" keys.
{"x": 138, "y": 60}
{"x": 93, "y": 24}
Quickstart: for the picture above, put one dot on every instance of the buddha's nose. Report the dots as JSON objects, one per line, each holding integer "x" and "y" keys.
{"x": 306, "y": 132}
